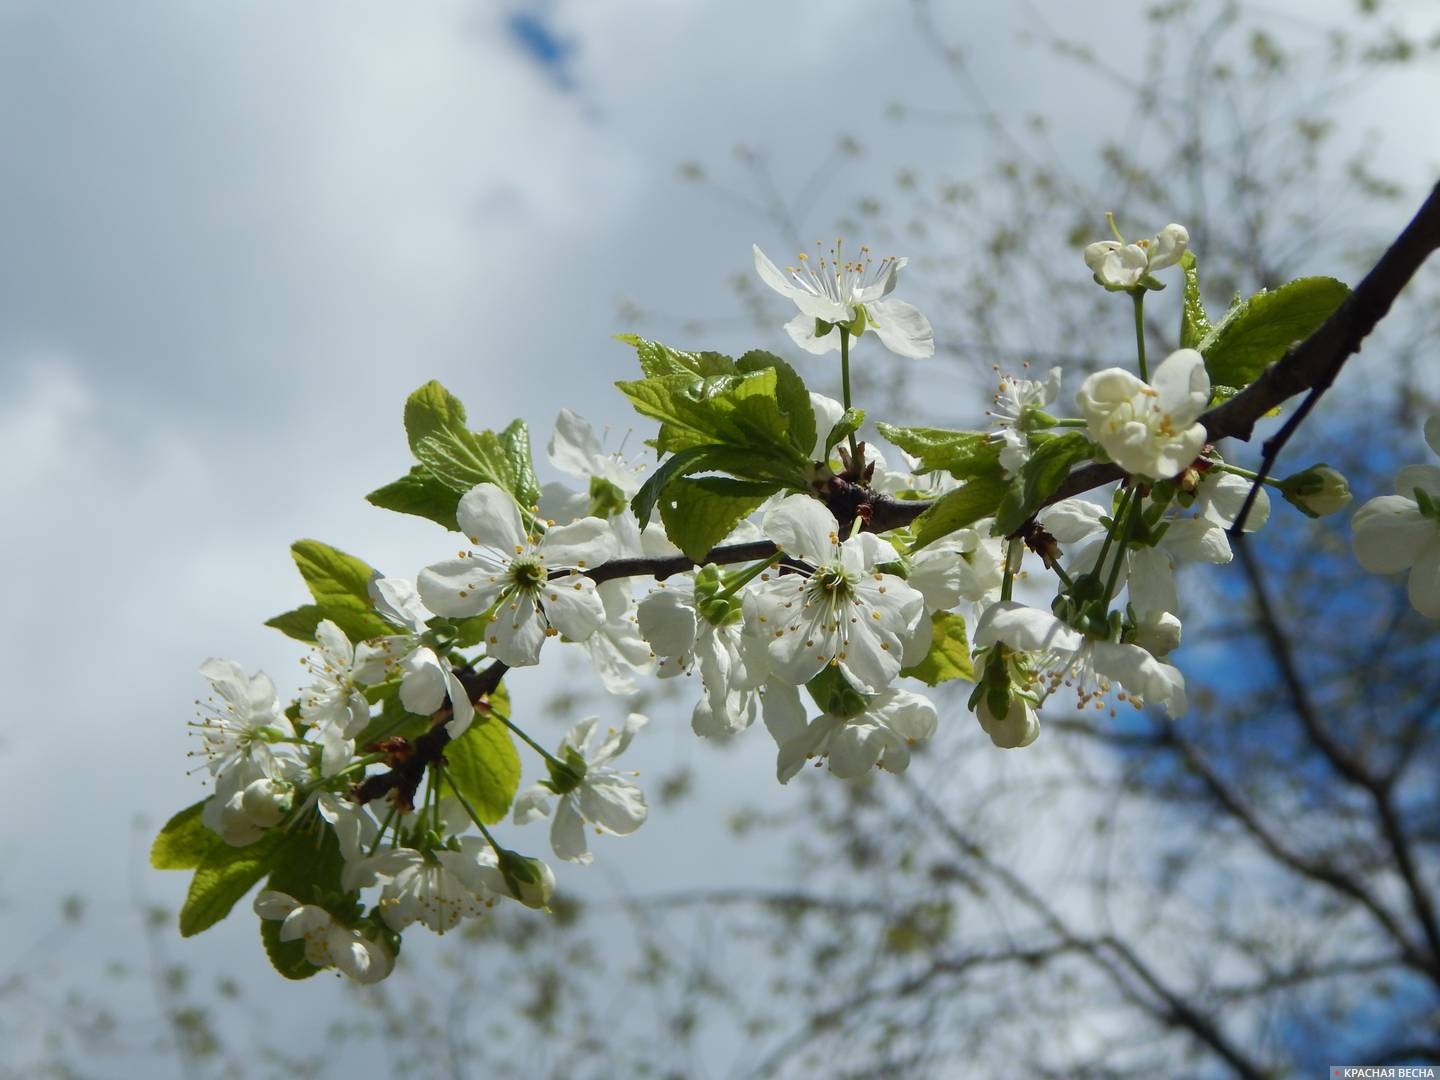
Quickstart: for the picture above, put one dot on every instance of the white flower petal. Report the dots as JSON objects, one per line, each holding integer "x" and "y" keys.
{"x": 1424, "y": 585}
{"x": 572, "y": 606}
{"x": 803, "y": 528}
{"x": 1025, "y": 628}
{"x": 487, "y": 514}
{"x": 567, "y": 834}
{"x": 612, "y": 803}
{"x": 574, "y": 447}
{"x": 1390, "y": 533}
{"x": 587, "y": 542}
{"x": 901, "y": 328}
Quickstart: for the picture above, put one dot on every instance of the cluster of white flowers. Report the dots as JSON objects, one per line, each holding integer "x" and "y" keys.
{"x": 809, "y": 599}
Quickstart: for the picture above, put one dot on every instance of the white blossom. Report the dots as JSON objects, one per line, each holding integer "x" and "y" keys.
{"x": 844, "y": 612}
{"x": 247, "y": 724}
{"x": 328, "y": 942}
{"x": 832, "y": 291}
{"x": 436, "y": 888}
{"x": 1149, "y": 429}
{"x": 881, "y": 735}
{"x": 514, "y": 569}
{"x": 1015, "y": 401}
{"x": 1019, "y": 726}
{"x": 603, "y": 797}
{"x": 427, "y": 677}
{"x": 333, "y": 704}
{"x": 1118, "y": 265}
{"x": 1402, "y": 531}
{"x": 1059, "y": 654}
{"x": 732, "y": 663}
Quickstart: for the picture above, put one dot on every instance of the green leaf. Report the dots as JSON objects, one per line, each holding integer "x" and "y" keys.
{"x": 963, "y": 454}
{"x": 516, "y": 441}
{"x": 700, "y": 513}
{"x": 455, "y": 455}
{"x": 1257, "y": 332}
{"x": 949, "y": 655}
{"x": 847, "y": 425}
{"x": 419, "y": 493}
{"x": 340, "y": 585}
{"x": 484, "y": 768}
{"x": 978, "y": 498}
{"x": 1194, "y": 323}
{"x": 224, "y": 875}
{"x": 657, "y": 359}
{"x": 738, "y": 410}
{"x": 184, "y": 842}
{"x": 308, "y": 869}
{"x": 1050, "y": 463}
{"x": 672, "y": 467}
{"x": 791, "y": 395}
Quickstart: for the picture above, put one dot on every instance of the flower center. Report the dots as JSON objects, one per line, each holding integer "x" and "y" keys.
{"x": 527, "y": 573}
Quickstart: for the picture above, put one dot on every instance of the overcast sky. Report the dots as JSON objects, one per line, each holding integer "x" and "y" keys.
{"x": 233, "y": 237}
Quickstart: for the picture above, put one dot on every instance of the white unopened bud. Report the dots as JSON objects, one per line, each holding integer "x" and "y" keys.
{"x": 1018, "y": 727}
{"x": 266, "y": 802}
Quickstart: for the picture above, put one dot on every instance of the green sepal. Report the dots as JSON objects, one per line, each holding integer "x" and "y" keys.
{"x": 979, "y": 498}
{"x": 340, "y": 585}
{"x": 949, "y": 655}
{"x": 1049, "y": 464}
{"x": 834, "y": 694}
{"x": 566, "y": 773}
{"x": 607, "y": 499}
{"x": 418, "y": 492}
{"x": 1256, "y": 332}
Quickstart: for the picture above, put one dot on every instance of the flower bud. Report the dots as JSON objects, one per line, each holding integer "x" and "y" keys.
{"x": 1019, "y": 726}
{"x": 1317, "y": 491}
{"x": 529, "y": 880}
{"x": 266, "y": 802}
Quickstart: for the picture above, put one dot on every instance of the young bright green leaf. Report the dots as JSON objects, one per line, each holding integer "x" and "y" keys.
{"x": 308, "y": 869}
{"x": 484, "y": 768}
{"x": 1050, "y": 462}
{"x": 222, "y": 878}
{"x": 674, "y": 466}
{"x": 419, "y": 493}
{"x": 340, "y": 585}
{"x": 1194, "y": 323}
{"x": 976, "y": 499}
{"x": 657, "y": 359}
{"x": 184, "y": 842}
{"x": 849, "y": 423}
{"x": 516, "y": 441}
{"x": 949, "y": 655}
{"x": 699, "y": 513}
{"x": 963, "y": 454}
{"x": 455, "y": 455}
{"x": 1256, "y": 332}
{"x": 790, "y": 394}
{"x": 738, "y": 410}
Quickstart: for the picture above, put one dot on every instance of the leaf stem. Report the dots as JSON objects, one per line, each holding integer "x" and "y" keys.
{"x": 468, "y": 808}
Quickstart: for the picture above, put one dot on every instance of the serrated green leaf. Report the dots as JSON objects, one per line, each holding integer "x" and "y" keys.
{"x": 308, "y": 869}
{"x": 516, "y": 441}
{"x": 674, "y": 466}
{"x": 963, "y": 454}
{"x": 1194, "y": 323}
{"x": 484, "y": 768}
{"x": 949, "y": 655}
{"x": 700, "y": 513}
{"x": 790, "y": 394}
{"x": 977, "y": 498}
{"x": 849, "y": 423}
{"x": 340, "y": 585}
{"x": 184, "y": 842}
{"x": 657, "y": 359}
{"x": 1050, "y": 462}
{"x": 222, "y": 878}
{"x": 455, "y": 455}
{"x": 1257, "y": 332}
{"x": 738, "y": 410}
{"x": 421, "y": 494}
